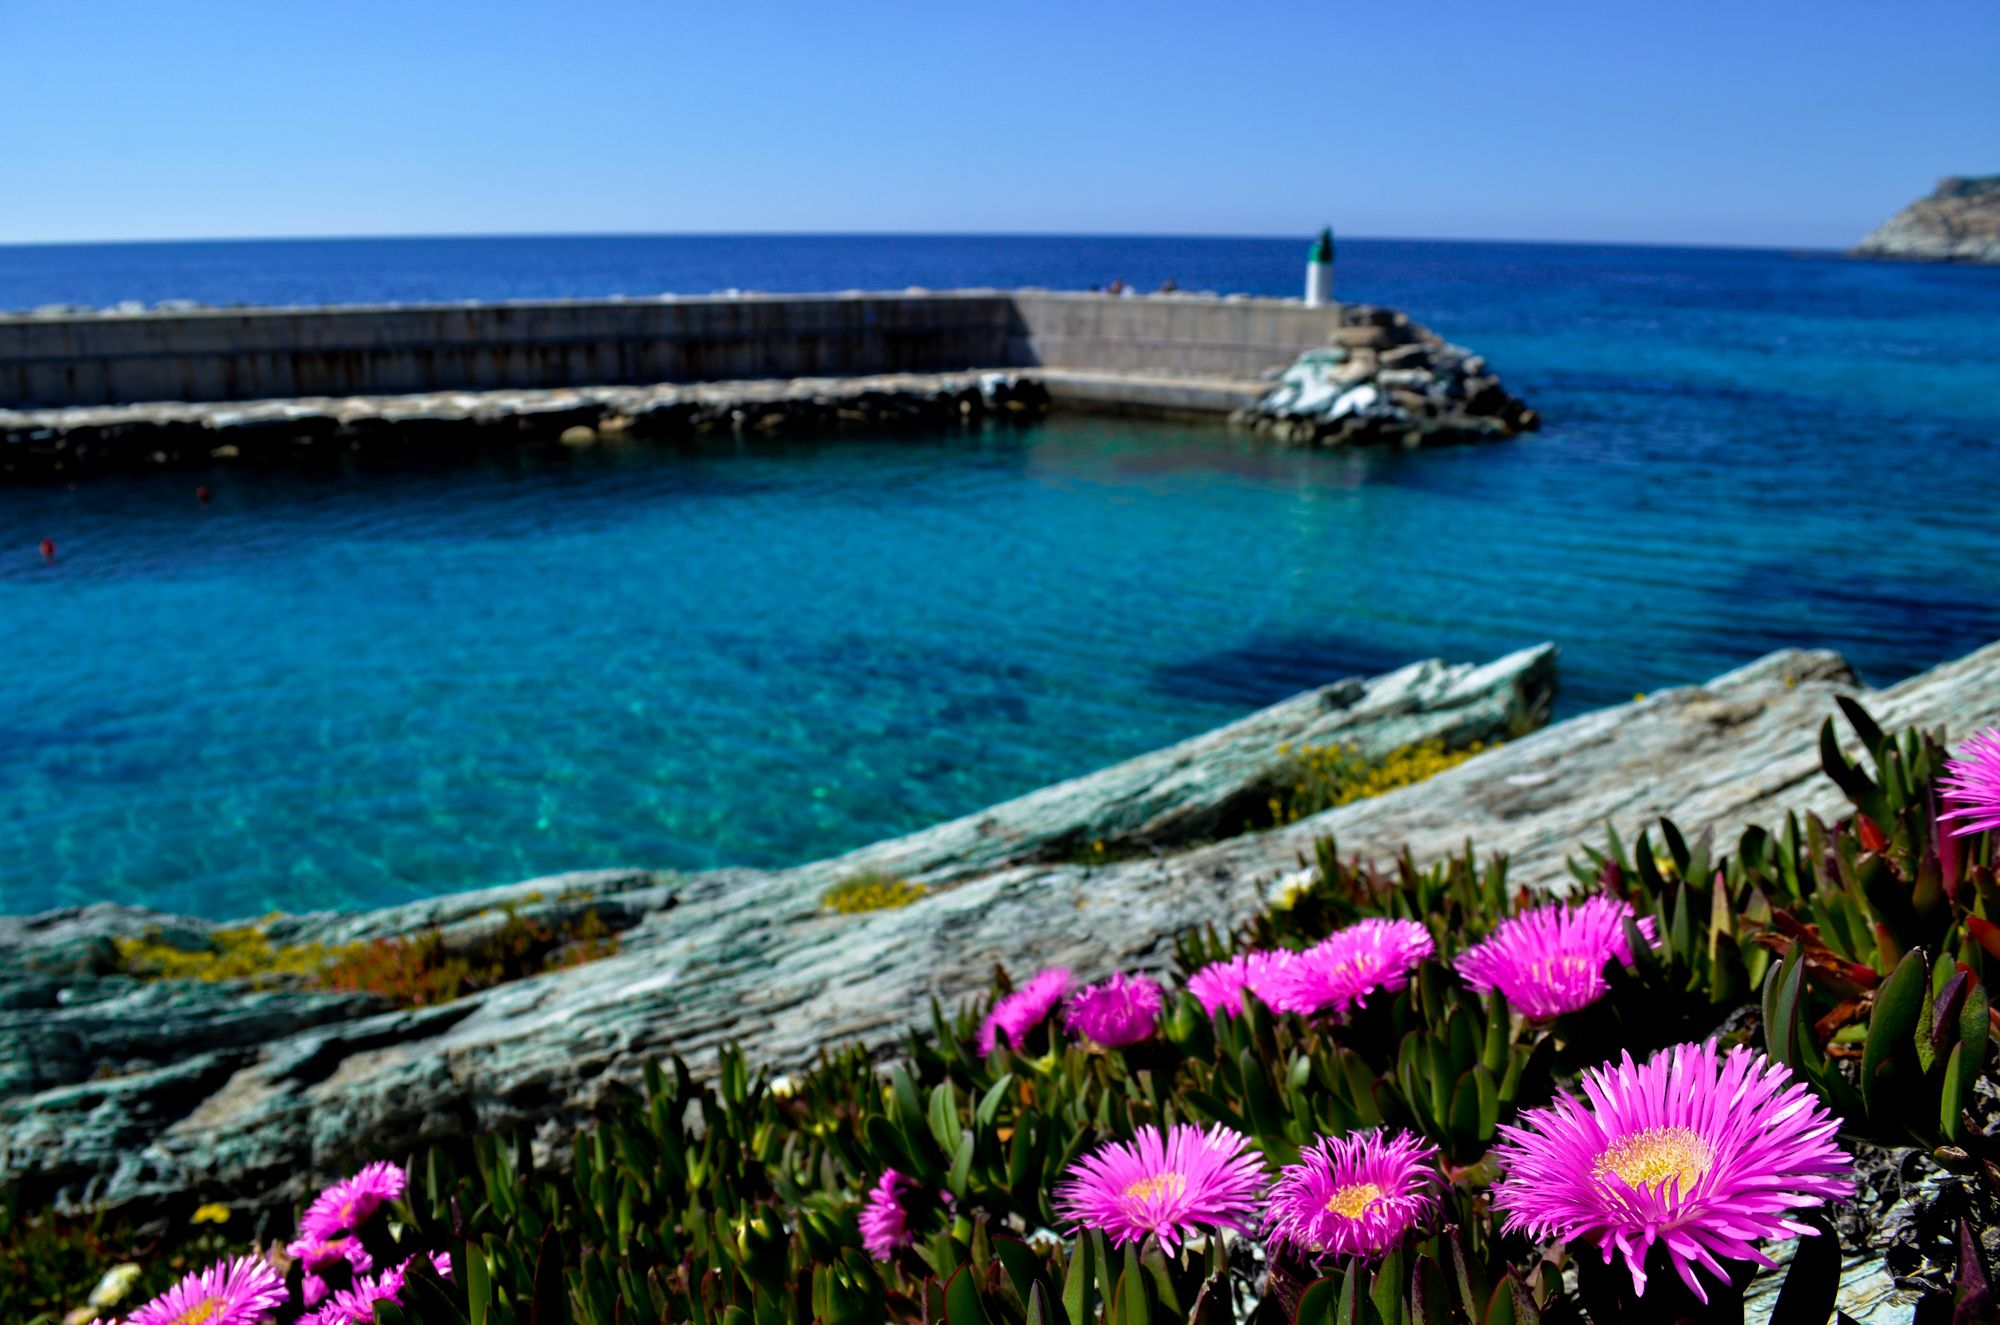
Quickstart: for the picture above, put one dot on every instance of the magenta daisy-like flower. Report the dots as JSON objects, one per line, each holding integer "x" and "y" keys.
{"x": 316, "y": 1256}
{"x": 1123, "y": 1010}
{"x": 1550, "y": 960}
{"x": 1171, "y": 1186}
{"x": 885, "y": 1224}
{"x": 1338, "y": 973}
{"x": 1221, "y": 985}
{"x": 1971, "y": 784}
{"x": 1702, "y": 1152}
{"x": 349, "y": 1202}
{"x": 1021, "y": 1011}
{"x": 356, "y": 1305}
{"x": 1354, "y": 1195}
{"x": 238, "y": 1292}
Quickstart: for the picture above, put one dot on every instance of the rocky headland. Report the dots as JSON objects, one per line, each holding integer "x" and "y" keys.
{"x": 1958, "y": 222}
{"x": 1385, "y": 380}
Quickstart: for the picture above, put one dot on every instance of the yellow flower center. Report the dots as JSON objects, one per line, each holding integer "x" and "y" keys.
{"x": 199, "y": 1312}
{"x": 1165, "y": 1184}
{"x": 1559, "y": 968}
{"x": 1657, "y": 1156}
{"x": 1353, "y": 1200}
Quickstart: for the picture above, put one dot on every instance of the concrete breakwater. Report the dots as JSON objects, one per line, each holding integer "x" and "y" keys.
{"x": 80, "y": 394}
{"x": 221, "y": 354}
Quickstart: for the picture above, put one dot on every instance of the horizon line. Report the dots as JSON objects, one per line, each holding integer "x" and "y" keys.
{"x": 1302, "y": 236}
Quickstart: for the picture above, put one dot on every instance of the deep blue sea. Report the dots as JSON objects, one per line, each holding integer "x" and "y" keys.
{"x": 340, "y": 686}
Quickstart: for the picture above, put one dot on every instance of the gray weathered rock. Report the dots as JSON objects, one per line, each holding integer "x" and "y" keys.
{"x": 750, "y": 956}
{"x": 1958, "y": 222}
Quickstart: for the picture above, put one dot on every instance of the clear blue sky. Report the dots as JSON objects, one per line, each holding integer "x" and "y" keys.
{"x": 1786, "y": 122}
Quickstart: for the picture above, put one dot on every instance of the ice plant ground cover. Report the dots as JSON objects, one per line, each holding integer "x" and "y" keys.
{"x": 1794, "y": 1026}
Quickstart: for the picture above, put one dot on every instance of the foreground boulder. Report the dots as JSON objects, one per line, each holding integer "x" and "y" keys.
{"x": 752, "y": 956}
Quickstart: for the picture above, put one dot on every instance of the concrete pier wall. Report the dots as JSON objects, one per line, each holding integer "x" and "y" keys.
{"x": 227, "y": 354}
{"x": 1176, "y": 336}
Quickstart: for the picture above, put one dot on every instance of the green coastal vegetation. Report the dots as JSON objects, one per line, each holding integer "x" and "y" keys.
{"x": 1851, "y": 960}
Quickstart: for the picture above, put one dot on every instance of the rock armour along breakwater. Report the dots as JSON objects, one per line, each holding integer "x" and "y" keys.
{"x": 102, "y": 438}
{"x": 249, "y": 1094}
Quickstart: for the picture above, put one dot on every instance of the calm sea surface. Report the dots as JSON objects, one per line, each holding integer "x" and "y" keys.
{"x": 341, "y": 688}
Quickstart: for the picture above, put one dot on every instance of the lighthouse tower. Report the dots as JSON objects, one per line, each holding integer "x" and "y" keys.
{"x": 1319, "y": 271}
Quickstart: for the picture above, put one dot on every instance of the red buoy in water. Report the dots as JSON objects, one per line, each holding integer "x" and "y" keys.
{"x": 48, "y": 549}
{"x": 201, "y": 494}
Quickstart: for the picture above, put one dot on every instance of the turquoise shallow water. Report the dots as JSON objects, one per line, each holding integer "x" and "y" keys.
{"x": 336, "y": 687}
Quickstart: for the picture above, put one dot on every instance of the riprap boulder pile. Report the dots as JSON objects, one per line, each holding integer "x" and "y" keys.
{"x": 93, "y": 439}
{"x": 1385, "y": 380}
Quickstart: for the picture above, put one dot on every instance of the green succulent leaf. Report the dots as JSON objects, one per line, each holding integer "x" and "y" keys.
{"x": 963, "y": 1304}
{"x": 1898, "y": 1009}
{"x": 1813, "y": 1281}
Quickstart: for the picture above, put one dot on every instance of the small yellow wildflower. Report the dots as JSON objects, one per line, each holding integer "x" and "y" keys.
{"x": 1323, "y": 776}
{"x": 116, "y": 1283}
{"x": 212, "y": 1213}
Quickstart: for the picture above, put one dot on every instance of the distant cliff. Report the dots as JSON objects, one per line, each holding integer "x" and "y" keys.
{"x": 1958, "y": 222}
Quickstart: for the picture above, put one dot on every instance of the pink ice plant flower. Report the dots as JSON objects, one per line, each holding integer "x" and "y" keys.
{"x": 230, "y": 1292}
{"x": 1354, "y": 1195}
{"x": 1021, "y": 1011}
{"x": 1172, "y": 1186}
{"x": 1123, "y": 1010}
{"x": 1550, "y": 960}
{"x": 1971, "y": 784}
{"x": 1221, "y": 985}
{"x": 356, "y": 1305}
{"x": 316, "y": 1256}
{"x": 348, "y": 1203}
{"x": 1702, "y": 1152}
{"x": 1338, "y": 973}
{"x": 885, "y": 1224}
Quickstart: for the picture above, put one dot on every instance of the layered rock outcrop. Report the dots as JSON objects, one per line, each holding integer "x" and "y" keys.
{"x": 122, "y": 1092}
{"x": 1958, "y": 222}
